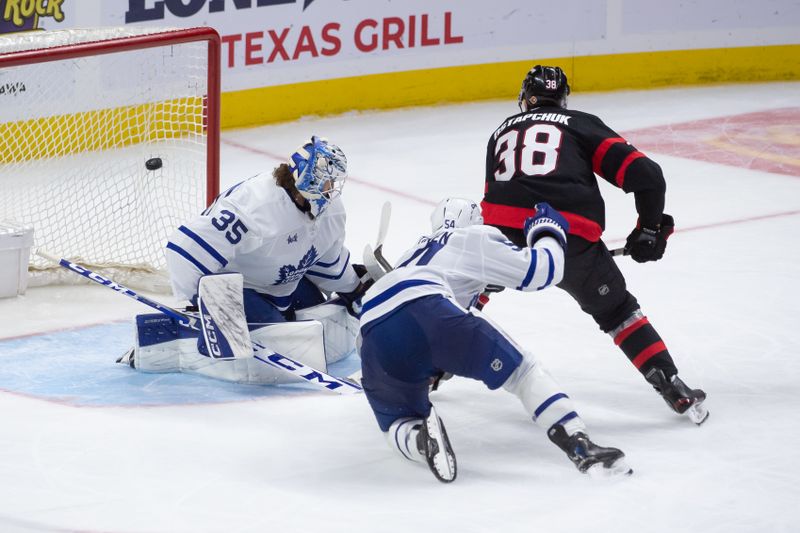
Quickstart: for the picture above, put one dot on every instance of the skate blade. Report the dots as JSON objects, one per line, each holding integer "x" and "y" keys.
{"x": 127, "y": 358}
{"x": 697, "y": 413}
{"x": 443, "y": 462}
{"x": 618, "y": 469}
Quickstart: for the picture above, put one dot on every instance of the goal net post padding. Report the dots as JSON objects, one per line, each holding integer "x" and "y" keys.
{"x": 81, "y": 113}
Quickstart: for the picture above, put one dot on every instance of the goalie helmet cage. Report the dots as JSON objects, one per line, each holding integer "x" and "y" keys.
{"x": 109, "y": 140}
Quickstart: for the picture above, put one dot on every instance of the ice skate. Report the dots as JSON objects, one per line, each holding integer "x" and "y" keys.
{"x": 679, "y": 396}
{"x": 127, "y": 358}
{"x": 588, "y": 457}
{"x": 434, "y": 445}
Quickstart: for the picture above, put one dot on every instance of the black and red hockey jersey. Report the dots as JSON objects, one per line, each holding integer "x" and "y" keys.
{"x": 551, "y": 154}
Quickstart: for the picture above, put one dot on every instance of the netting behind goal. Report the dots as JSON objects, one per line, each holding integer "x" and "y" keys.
{"x": 82, "y": 112}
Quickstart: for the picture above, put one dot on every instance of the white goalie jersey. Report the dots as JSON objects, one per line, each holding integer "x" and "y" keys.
{"x": 254, "y": 228}
{"x": 459, "y": 264}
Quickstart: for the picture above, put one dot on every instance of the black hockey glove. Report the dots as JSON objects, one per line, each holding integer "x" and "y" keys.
{"x": 493, "y": 288}
{"x": 546, "y": 222}
{"x": 648, "y": 244}
{"x": 360, "y": 270}
{"x": 353, "y": 299}
{"x": 483, "y": 298}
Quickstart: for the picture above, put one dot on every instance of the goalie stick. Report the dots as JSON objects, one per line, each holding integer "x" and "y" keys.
{"x": 261, "y": 353}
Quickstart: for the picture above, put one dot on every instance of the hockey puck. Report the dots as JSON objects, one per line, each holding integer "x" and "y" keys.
{"x": 153, "y": 164}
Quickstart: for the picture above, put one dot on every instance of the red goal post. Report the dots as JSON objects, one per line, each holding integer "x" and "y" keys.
{"x": 109, "y": 139}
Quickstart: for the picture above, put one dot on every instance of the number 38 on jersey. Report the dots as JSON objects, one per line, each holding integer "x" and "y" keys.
{"x": 533, "y": 151}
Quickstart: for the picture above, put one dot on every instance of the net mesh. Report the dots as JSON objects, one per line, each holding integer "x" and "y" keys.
{"x": 75, "y": 137}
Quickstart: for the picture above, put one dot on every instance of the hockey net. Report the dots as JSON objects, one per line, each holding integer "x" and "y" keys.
{"x": 81, "y": 114}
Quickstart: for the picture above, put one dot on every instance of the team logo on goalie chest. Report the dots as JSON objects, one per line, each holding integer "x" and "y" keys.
{"x": 292, "y": 273}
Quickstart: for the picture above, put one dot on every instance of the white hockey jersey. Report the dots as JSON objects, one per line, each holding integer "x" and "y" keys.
{"x": 255, "y": 228}
{"x": 459, "y": 264}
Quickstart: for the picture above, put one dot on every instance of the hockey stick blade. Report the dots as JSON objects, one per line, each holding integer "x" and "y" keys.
{"x": 262, "y": 353}
{"x": 382, "y": 260}
{"x": 371, "y": 264}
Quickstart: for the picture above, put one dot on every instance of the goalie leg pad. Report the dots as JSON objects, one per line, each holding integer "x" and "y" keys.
{"x": 161, "y": 345}
{"x": 158, "y": 342}
{"x": 340, "y": 328}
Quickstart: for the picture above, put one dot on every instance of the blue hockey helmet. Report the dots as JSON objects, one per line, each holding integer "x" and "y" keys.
{"x": 543, "y": 85}
{"x": 319, "y": 169}
{"x": 453, "y": 213}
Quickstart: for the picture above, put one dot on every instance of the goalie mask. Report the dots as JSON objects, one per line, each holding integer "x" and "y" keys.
{"x": 454, "y": 213}
{"x": 319, "y": 170}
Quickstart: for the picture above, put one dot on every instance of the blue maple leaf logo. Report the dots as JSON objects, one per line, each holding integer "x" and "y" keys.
{"x": 291, "y": 273}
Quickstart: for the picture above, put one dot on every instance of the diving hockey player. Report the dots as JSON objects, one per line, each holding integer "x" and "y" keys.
{"x": 548, "y": 153}
{"x": 415, "y": 325}
{"x": 285, "y": 234}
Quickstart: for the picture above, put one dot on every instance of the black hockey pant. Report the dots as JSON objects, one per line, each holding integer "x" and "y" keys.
{"x": 592, "y": 278}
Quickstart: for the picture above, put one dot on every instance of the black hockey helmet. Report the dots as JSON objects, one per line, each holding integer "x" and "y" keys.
{"x": 544, "y": 85}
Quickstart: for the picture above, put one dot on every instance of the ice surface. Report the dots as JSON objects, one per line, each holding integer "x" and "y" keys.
{"x": 84, "y": 450}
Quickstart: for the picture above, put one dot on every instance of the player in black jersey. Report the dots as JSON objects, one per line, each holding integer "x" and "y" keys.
{"x": 548, "y": 153}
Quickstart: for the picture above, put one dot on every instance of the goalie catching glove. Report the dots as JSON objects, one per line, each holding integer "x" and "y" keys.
{"x": 648, "y": 244}
{"x": 546, "y": 222}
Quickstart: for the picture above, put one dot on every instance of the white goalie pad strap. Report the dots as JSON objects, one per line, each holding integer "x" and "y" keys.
{"x": 219, "y": 298}
{"x": 541, "y": 396}
{"x": 302, "y": 341}
{"x": 341, "y": 328}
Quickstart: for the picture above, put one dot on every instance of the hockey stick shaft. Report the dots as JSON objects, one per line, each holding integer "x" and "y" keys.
{"x": 618, "y": 251}
{"x": 183, "y": 318}
{"x": 262, "y": 353}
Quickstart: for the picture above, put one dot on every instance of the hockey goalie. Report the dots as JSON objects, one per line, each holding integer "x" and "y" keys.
{"x": 256, "y": 267}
